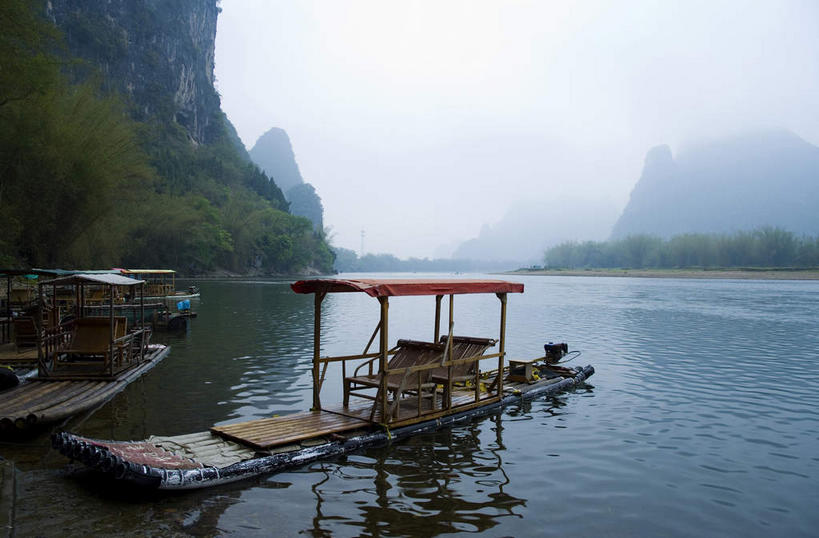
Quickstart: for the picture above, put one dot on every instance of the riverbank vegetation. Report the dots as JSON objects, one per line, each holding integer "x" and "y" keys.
{"x": 88, "y": 180}
{"x": 765, "y": 247}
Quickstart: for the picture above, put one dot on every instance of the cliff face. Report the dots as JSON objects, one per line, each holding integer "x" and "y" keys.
{"x": 202, "y": 204}
{"x": 742, "y": 183}
{"x": 158, "y": 53}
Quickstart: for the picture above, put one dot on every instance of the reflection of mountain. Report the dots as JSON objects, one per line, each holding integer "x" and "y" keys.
{"x": 746, "y": 182}
{"x": 529, "y": 227}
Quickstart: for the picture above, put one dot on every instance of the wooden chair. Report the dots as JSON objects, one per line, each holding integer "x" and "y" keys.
{"x": 463, "y": 347}
{"x": 409, "y": 353}
{"x": 25, "y": 333}
{"x": 91, "y": 338}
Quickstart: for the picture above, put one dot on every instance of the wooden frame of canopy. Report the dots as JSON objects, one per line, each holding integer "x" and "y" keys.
{"x": 158, "y": 282}
{"x": 57, "y": 338}
{"x": 382, "y": 410}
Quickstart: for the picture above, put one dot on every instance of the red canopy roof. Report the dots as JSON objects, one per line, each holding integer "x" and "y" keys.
{"x": 376, "y": 287}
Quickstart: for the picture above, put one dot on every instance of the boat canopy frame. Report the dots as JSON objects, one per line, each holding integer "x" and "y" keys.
{"x": 158, "y": 282}
{"x": 382, "y": 290}
{"x": 56, "y": 337}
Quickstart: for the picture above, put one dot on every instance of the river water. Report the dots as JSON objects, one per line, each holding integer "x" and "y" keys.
{"x": 702, "y": 418}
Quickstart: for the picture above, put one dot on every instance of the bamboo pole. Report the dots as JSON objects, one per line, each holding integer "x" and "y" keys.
{"x": 366, "y": 349}
{"x": 438, "y": 299}
{"x": 111, "y": 326}
{"x": 502, "y": 346}
{"x": 449, "y": 351}
{"x": 383, "y": 350}
{"x": 319, "y": 297}
{"x": 41, "y": 359}
{"x": 7, "y": 329}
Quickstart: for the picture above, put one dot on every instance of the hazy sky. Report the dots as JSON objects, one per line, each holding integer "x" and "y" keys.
{"x": 419, "y": 122}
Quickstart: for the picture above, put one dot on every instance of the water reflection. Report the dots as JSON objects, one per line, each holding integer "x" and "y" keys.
{"x": 448, "y": 481}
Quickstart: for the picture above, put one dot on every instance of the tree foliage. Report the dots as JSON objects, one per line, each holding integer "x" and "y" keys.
{"x": 764, "y": 247}
{"x": 83, "y": 184}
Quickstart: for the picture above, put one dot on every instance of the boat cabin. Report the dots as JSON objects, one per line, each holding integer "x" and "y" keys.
{"x": 412, "y": 381}
{"x": 158, "y": 282}
{"x": 76, "y": 344}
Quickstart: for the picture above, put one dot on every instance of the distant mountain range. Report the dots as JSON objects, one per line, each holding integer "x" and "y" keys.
{"x": 762, "y": 179}
{"x": 529, "y": 227}
{"x": 274, "y": 154}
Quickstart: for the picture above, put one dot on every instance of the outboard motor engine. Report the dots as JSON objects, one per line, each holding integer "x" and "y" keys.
{"x": 554, "y": 352}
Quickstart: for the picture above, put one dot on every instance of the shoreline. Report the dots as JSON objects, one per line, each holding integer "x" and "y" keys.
{"x": 737, "y": 274}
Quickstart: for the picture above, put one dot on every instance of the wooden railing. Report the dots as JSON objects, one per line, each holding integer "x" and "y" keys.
{"x": 389, "y": 410}
{"x": 123, "y": 352}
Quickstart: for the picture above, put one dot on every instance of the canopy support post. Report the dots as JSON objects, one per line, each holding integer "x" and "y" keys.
{"x": 113, "y": 334}
{"x": 448, "y": 353}
{"x": 317, "y": 348}
{"x": 7, "y": 322}
{"x": 502, "y": 347}
{"x": 143, "y": 340}
{"x": 41, "y": 353}
{"x": 438, "y": 299}
{"x": 383, "y": 349}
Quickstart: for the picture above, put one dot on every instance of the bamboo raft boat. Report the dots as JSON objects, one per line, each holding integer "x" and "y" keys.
{"x": 410, "y": 388}
{"x": 82, "y": 361}
{"x": 42, "y": 401}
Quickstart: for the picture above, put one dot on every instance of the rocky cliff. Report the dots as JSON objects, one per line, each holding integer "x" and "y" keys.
{"x": 159, "y": 53}
{"x": 190, "y": 198}
{"x": 746, "y": 182}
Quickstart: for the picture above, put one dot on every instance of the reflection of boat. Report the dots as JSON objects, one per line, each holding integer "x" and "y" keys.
{"x": 410, "y": 388}
{"x": 161, "y": 284}
{"x": 82, "y": 360}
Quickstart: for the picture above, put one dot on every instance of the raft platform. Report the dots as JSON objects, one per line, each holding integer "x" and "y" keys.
{"x": 42, "y": 401}
{"x": 242, "y": 450}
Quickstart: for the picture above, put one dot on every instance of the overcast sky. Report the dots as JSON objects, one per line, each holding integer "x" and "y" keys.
{"x": 419, "y": 122}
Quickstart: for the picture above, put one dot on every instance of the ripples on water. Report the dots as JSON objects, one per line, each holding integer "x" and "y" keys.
{"x": 701, "y": 419}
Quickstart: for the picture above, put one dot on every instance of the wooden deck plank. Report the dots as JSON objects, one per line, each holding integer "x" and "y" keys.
{"x": 269, "y": 432}
{"x": 265, "y": 433}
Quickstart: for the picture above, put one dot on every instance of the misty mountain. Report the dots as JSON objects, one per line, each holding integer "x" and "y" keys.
{"x": 274, "y": 154}
{"x": 529, "y": 227}
{"x": 745, "y": 182}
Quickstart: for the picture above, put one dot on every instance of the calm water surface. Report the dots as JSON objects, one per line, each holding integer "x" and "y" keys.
{"x": 702, "y": 418}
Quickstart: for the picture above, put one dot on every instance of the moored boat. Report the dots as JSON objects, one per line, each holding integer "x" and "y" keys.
{"x": 82, "y": 360}
{"x": 160, "y": 284}
{"x": 389, "y": 394}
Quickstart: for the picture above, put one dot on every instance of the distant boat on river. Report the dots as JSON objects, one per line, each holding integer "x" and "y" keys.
{"x": 161, "y": 284}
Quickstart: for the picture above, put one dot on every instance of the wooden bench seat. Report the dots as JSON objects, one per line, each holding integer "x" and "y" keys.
{"x": 409, "y": 353}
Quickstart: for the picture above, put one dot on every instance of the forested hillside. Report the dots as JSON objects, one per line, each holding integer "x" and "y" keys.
{"x": 114, "y": 150}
